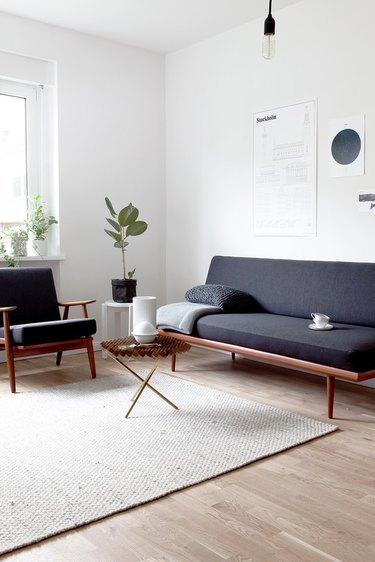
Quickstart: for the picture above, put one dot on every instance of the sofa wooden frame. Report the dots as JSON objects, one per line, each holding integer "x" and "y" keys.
{"x": 331, "y": 373}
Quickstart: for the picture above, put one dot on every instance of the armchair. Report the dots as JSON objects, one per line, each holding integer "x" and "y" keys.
{"x": 30, "y": 322}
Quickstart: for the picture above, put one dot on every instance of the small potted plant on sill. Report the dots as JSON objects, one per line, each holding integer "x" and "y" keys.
{"x": 124, "y": 224}
{"x": 38, "y": 224}
{"x": 13, "y": 241}
{"x": 18, "y": 241}
{"x": 4, "y": 252}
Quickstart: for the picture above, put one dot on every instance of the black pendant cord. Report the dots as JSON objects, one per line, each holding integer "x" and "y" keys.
{"x": 269, "y": 23}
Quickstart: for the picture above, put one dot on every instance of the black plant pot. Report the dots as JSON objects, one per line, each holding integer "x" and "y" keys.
{"x": 123, "y": 290}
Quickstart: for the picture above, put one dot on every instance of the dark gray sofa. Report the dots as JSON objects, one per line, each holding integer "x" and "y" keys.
{"x": 285, "y": 294}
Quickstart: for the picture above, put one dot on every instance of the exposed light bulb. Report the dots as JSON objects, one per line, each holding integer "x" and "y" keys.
{"x": 268, "y": 49}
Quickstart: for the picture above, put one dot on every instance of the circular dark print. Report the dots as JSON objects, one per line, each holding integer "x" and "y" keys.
{"x": 346, "y": 146}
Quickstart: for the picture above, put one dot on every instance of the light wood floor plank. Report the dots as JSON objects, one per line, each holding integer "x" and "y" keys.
{"x": 313, "y": 503}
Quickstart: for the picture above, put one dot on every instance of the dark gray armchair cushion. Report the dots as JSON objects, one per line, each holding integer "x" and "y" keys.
{"x": 32, "y": 290}
{"x": 51, "y": 332}
{"x": 222, "y": 296}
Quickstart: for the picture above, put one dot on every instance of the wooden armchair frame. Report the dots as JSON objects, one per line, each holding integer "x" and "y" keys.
{"x": 14, "y": 351}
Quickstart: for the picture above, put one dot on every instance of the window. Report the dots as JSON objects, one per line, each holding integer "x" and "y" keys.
{"x": 20, "y": 149}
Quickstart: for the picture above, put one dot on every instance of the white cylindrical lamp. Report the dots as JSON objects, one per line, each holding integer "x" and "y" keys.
{"x": 144, "y": 310}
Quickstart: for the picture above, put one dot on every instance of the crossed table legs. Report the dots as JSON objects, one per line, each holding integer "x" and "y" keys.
{"x": 145, "y": 382}
{"x": 163, "y": 346}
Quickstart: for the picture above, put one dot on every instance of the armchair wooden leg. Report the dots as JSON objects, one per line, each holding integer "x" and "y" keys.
{"x": 330, "y": 395}
{"x": 58, "y": 357}
{"x": 90, "y": 351}
{"x": 11, "y": 369}
{"x": 173, "y": 362}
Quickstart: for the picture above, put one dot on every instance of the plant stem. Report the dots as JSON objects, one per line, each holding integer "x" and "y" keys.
{"x": 123, "y": 253}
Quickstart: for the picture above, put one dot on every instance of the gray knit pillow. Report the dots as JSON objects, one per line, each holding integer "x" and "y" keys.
{"x": 226, "y": 298}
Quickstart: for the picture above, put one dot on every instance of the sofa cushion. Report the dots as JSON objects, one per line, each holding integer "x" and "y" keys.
{"x": 342, "y": 290}
{"x": 346, "y": 347}
{"x": 50, "y": 332}
{"x": 222, "y": 296}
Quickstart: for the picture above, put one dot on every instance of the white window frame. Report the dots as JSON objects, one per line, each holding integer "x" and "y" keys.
{"x": 41, "y": 133}
{"x": 33, "y": 100}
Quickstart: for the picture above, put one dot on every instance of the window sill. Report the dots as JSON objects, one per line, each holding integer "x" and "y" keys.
{"x": 37, "y": 258}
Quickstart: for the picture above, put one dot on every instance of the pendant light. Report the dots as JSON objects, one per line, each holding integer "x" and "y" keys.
{"x": 268, "y": 50}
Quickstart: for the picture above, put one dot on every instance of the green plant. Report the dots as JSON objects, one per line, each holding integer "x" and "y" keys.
{"x": 124, "y": 224}
{"x": 17, "y": 242}
{"x": 4, "y": 254}
{"x": 38, "y": 222}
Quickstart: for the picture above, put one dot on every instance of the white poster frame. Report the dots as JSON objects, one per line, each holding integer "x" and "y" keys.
{"x": 284, "y": 170}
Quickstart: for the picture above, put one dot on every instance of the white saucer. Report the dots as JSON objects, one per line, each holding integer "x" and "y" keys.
{"x": 315, "y": 327}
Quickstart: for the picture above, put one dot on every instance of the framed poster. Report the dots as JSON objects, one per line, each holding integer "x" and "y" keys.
{"x": 346, "y": 147}
{"x": 284, "y": 171}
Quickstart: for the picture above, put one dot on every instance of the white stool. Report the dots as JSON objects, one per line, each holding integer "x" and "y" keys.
{"x": 117, "y": 308}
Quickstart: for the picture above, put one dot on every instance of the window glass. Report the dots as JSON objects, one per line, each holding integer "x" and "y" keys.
{"x": 20, "y": 149}
{"x": 13, "y": 161}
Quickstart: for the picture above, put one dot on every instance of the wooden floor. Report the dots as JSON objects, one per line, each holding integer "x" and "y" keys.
{"x": 315, "y": 502}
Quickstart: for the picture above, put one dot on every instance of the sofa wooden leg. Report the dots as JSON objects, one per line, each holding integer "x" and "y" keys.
{"x": 330, "y": 395}
{"x": 58, "y": 358}
{"x": 173, "y": 362}
{"x": 233, "y": 356}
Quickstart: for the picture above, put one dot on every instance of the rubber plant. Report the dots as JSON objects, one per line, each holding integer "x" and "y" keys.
{"x": 124, "y": 224}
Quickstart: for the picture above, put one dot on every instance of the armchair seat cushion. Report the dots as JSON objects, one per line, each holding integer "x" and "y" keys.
{"x": 50, "y": 332}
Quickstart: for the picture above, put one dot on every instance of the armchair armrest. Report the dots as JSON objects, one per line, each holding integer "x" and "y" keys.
{"x": 7, "y": 308}
{"x": 67, "y": 305}
{"x": 5, "y": 311}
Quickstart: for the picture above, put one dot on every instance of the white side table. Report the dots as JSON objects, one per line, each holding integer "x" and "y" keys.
{"x": 117, "y": 308}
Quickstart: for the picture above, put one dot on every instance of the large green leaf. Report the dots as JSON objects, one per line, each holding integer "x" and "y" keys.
{"x": 127, "y": 215}
{"x": 110, "y": 207}
{"x": 115, "y": 235}
{"x": 114, "y": 224}
{"x": 136, "y": 228}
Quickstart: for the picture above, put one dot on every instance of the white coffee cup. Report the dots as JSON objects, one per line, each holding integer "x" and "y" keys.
{"x": 321, "y": 320}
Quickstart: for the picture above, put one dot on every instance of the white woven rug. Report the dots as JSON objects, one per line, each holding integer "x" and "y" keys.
{"x": 68, "y": 456}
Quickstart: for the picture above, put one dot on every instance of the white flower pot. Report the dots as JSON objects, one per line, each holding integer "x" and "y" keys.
{"x": 39, "y": 247}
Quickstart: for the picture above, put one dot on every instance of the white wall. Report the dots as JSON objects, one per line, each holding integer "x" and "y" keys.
{"x": 111, "y": 142}
{"x": 325, "y": 50}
